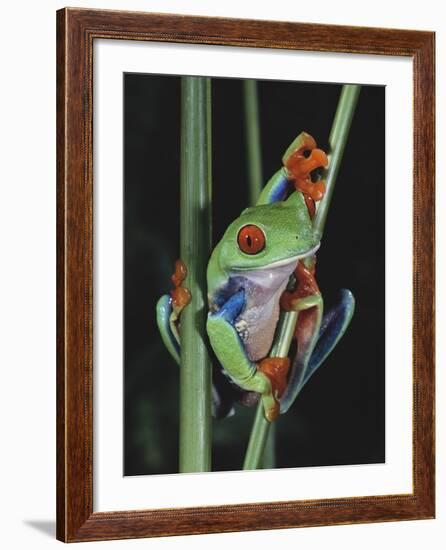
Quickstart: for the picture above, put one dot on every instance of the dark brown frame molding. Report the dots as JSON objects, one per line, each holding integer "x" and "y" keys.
{"x": 76, "y": 31}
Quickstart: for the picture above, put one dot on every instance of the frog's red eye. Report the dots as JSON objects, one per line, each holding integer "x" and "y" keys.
{"x": 251, "y": 239}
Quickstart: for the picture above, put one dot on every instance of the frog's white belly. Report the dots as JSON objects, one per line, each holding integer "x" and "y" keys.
{"x": 257, "y": 323}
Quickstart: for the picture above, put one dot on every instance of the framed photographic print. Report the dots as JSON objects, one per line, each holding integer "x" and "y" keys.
{"x": 245, "y": 275}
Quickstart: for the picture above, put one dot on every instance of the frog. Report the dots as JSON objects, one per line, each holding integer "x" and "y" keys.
{"x": 265, "y": 264}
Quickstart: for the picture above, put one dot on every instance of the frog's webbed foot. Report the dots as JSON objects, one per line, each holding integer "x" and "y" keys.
{"x": 300, "y": 160}
{"x": 168, "y": 316}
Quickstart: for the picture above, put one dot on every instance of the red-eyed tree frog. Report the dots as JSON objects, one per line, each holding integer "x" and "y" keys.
{"x": 248, "y": 279}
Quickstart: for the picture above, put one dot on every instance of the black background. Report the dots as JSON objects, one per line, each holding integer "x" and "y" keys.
{"x": 339, "y": 416}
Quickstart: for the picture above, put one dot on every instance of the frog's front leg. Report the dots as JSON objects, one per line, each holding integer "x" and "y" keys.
{"x": 267, "y": 378}
{"x": 306, "y": 294}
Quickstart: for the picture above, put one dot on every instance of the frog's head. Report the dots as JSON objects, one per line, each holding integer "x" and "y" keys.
{"x": 268, "y": 236}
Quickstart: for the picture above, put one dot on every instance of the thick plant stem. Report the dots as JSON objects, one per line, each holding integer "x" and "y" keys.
{"x": 287, "y": 322}
{"x": 195, "y": 245}
{"x": 253, "y": 145}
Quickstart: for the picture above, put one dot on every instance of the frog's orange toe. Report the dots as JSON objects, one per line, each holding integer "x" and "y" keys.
{"x": 179, "y": 274}
{"x": 181, "y": 296}
{"x": 314, "y": 190}
{"x": 302, "y": 166}
{"x": 272, "y": 412}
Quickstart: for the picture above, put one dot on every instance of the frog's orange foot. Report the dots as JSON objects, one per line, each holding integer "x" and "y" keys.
{"x": 314, "y": 190}
{"x": 300, "y": 162}
{"x": 181, "y": 296}
{"x": 276, "y": 369}
{"x": 306, "y": 285}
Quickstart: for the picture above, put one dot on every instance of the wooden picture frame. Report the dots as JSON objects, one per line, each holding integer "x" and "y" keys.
{"x": 76, "y": 31}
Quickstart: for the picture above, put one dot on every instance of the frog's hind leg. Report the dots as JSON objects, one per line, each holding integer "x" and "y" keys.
{"x": 223, "y": 397}
{"x": 333, "y": 326}
{"x": 310, "y": 310}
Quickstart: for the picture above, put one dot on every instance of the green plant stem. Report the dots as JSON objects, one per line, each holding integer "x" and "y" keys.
{"x": 195, "y": 245}
{"x": 287, "y": 322}
{"x": 255, "y": 181}
{"x": 337, "y": 141}
{"x": 261, "y": 427}
{"x": 269, "y": 452}
{"x": 257, "y": 440}
{"x": 253, "y": 145}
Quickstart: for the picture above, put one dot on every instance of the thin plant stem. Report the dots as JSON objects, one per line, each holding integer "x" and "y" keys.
{"x": 269, "y": 452}
{"x": 261, "y": 427}
{"x": 257, "y": 440}
{"x": 337, "y": 141}
{"x": 253, "y": 144}
{"x": 195, "y": 248}
{"x": 287, "y": 322}
{"x": 255, "y": 183}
